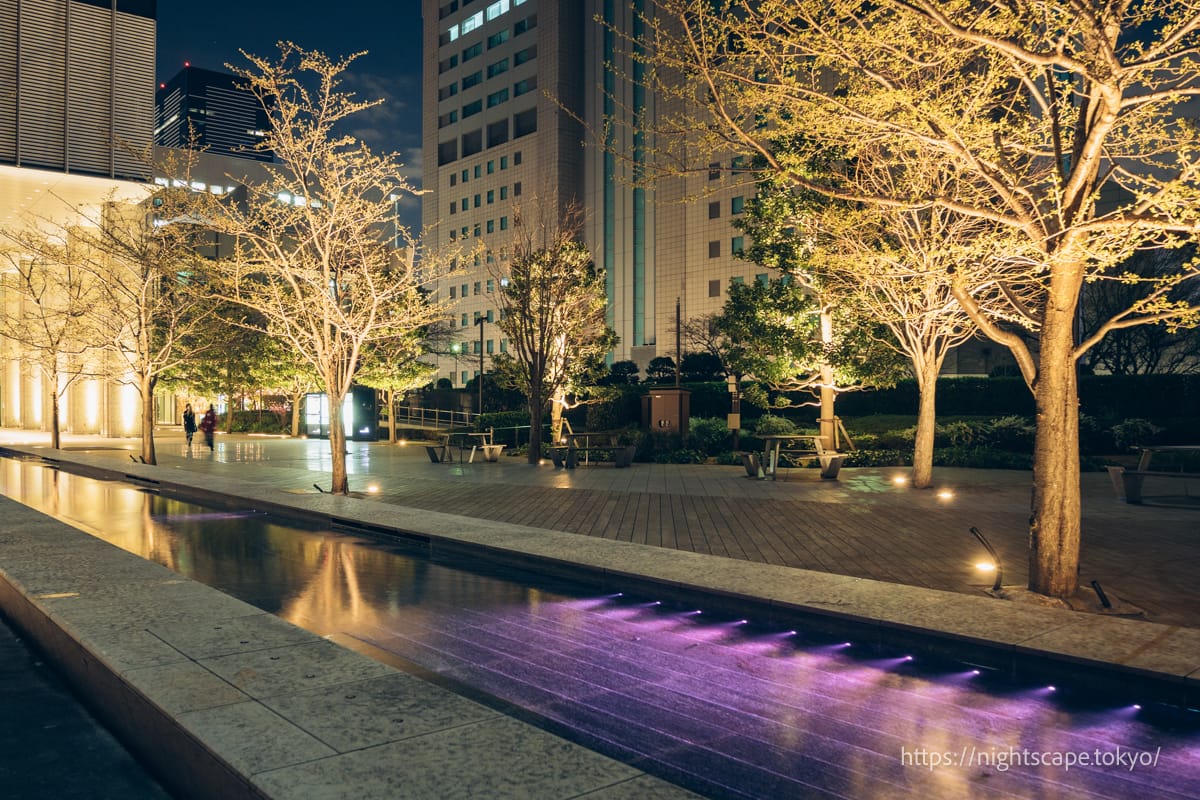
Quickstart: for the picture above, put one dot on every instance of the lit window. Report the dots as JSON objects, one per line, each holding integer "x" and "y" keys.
{"x": 496, "y": 9}
{"x": 472, "y": 22}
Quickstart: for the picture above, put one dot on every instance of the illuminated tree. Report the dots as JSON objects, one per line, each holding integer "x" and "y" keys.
{"x": 552, "y": 311}
{"x": 898, "y": 263}
{"x": 1060, "y": 121}
{"x": 805, "y": 332}
{"x": 394, "y": 366}
{"x": 50, "y": 296}
{"x": 313, "y": 253}
{"x": 153, "y": 298}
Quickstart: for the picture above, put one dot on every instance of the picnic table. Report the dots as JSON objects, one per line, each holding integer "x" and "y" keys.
{"x": 800, "y": 445}
{"x": 592, "y": 445}
{"x": 477, "y": 441}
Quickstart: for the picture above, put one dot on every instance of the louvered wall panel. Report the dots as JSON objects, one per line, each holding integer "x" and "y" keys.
{"x": 231, "y": 116}
{"x": 89, "y": 90}
{"x": 42, "y": 95}
{"x": 8, "y": 82}
{"x": 134, "y": 92}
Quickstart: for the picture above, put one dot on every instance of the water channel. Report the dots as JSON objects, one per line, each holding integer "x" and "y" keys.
{"x": 724, "y": 707}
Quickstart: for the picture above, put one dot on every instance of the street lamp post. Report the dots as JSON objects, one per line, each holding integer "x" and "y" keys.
{"x": 480, "y": 322}
{"x": 734, "y": 421}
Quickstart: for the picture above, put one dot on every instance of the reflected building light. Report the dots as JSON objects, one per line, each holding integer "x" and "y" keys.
{"x": 91, "y": 404}
{"x": 128, "y": 412}
{"x": 14, "y": 379}
{"x": 35, "y": 400}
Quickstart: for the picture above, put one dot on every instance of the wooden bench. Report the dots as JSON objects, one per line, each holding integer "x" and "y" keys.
{"x": 1128, "y": 482}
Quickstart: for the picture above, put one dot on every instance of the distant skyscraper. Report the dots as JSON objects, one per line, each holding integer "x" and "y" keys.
{"x": 514, "y": 93}
{"x": 76, "y": 83}
{"x": 212, "y": 111}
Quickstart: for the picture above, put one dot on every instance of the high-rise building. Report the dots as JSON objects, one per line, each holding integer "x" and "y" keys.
{"x": 212, "y": 111}
{"x": 516, "y": 95}
{"x": 76, "y": 85}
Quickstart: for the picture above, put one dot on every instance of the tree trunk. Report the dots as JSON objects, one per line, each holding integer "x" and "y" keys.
{"x": 535, "y": 430}
{"x": 146, "y": 387}
{"x": 337, "y": 447}
{"x": 297, "y": 398}
{"x": 828, "y": 395}
{"x": 390, "y": 394}
{"x": 556, "y": 419}
{"x": 55, "y": 432}
{"x": 1054, "y": 525}
{"x": 922, "y": 468}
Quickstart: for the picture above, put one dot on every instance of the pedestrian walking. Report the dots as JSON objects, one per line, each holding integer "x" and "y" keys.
{"x": 189, "y": 424}
{"x": 208, "y": 425}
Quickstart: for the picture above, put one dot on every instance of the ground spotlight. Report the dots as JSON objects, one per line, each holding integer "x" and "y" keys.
{"x": 999, "y": 582}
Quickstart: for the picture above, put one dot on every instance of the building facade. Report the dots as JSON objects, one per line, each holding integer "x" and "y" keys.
{"x": 76, "y": 85}
{"x": 530, "y": 105}
{"x": 210, "y": 111}
{"x": 76, "y": 127}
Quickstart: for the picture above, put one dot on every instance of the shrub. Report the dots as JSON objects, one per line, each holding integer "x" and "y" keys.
{"x": 771, "y": 425}
{"x": 729, "y": 458}
{"x": 1011, "y": 433}
{"x": 981, "y": 458}
{"x": 682, "y": 456}
{"x": 878, "y": 457}
{"x": 962, "y": 433}
{"x": 1133, "y": 432}
{"x": 709, "y": 435}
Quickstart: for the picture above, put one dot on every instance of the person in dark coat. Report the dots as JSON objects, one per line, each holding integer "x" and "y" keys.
{"x": 189, "y": 424}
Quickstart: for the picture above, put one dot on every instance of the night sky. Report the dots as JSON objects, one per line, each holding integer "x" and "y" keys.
{"x": 210, "y": 34}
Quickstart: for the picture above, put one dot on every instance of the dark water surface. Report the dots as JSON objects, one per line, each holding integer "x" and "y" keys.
{"x": 722, "y": 706}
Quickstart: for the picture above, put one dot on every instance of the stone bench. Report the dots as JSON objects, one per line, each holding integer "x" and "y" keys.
{"x": 1128, "y": 482}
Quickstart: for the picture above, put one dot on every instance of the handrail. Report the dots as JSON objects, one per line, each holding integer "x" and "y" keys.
{"x": 433, "y": 418}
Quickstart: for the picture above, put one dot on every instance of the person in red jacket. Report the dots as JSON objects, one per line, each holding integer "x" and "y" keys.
{"x": 208, "y": 425}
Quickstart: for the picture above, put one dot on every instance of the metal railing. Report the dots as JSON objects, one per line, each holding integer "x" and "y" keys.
{"x": 433, "y": 419}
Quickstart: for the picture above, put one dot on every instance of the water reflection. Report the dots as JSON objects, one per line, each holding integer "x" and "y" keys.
{"x": 326, "y": 581}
